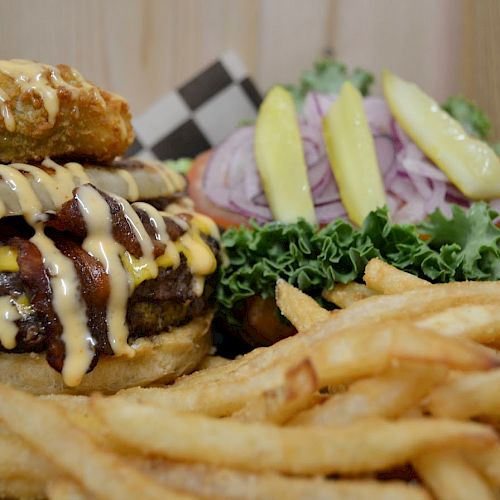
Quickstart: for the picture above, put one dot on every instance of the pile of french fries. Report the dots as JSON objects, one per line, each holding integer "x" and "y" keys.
{"x": 394, "y": 396}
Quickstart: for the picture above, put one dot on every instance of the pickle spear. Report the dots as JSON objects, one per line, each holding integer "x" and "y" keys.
{"x": 352, "y": 155}
{"x": 468, "y": 162}
{"x": 280, "y": 158}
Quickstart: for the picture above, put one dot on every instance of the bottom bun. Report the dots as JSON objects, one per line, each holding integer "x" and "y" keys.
{"x": 160, "y": 358}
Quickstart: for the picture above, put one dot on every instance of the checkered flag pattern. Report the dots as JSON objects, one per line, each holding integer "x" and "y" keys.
{"x": 199, "y": 115}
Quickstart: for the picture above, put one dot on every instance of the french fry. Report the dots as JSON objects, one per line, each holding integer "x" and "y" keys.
{"x": 46, "y": 428}
{"x": 24, "y": 488}
{"x": 23, "y": 472}
{"x": 300, "y": 309}
{"x": 215, "y": 482}
{"x": 340, "y": 358}
{"x": 64, "y": 489}
{"x": 449, "y": 476}
{"x": 280, "y": 404}
{"x": 386, "y": 279}
{"x": 364, "y": 446}
{"x": 212, "y": 361}
{"x": 487, "y": 461}
{"x": 466, "y": 396}
{"x": 345, "y": 295}
{"x": 413, "y": 304}
{"x": 387, "y": 395}
{"x": 480, "y": 323}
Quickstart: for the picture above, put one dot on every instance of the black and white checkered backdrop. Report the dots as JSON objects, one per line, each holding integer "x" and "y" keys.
{"x": 198, "y": 115}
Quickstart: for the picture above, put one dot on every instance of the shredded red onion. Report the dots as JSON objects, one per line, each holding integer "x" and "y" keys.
{"x": 414, "y": 185}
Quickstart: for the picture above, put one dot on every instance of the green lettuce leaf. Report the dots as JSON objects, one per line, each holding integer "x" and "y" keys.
{"x": 464, "y": 247}
{"x": 327, "y": 76}
{"x": 471, "y": 116}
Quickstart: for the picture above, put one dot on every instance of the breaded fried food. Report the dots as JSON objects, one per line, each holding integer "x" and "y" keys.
{"x": 53, "y": 111}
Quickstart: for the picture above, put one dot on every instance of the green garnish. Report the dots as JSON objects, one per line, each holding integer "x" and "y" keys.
{"x": 471, "y": 116}
{"x": 181, "y": 165}
{"x": 465, "y": 247}
{"x": 327, "y": 76}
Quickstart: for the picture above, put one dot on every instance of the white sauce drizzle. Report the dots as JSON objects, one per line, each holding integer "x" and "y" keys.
{"x": 156, "y": 220}
{"x": 8, "y": 117}
{"x": 44, "y": 80}
{"x": 101, "y": 244}
{"x": 132, "y": 187}
{"x": 78, "y": 173}
{"x": 68, "y": 305}
{"x": 28, "y": 200}
{"x": 8, "y": 317}
{"x": 173, "y": 180}
{"x": 63, "y": 178}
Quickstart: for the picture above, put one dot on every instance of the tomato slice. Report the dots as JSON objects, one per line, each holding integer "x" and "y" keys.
{"x": 221, "y": 216}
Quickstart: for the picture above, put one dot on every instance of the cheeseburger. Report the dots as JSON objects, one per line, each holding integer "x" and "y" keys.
{"x": 105, "y": 269}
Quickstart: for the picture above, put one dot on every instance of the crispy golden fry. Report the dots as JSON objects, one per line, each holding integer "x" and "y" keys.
{"x": 300, "y": 309}
{"x": 19, "y": 462}
{"x": 336, "y": 359}
{"x": 280, "y": 404}
{"x": 215, "y": 482}
{"x": 212, "y": 361}
{"x": 22, "y": 488}
{"x": 46, "y": 428}
{"x": 450, "y": 477}
{"x": 345, "y": 295}
{"x": 388, "y": 395}
{"x": 78, "y": 410}
{"x": 366, "y": 446}
{"x": 65, "y": 489}
{"x": 384, "y": 278}
{"x": 480, "y": 323}
{"x": 413, "y": 304}
{"x": 62, "y": 115}
{"x": 487, "y": 461}
{"x": 466, "y": 396}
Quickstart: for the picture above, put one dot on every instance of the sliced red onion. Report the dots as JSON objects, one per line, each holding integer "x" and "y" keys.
{"x": 414, "y": 186}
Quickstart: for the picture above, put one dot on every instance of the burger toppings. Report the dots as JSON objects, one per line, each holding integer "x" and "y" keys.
{"x": 280, "y": 158}
{"x": 53, "y": 182}
{"x": 415, "y": 181}
{"x": 468, "y": 162}
{"x": 352, "y": 155}
{"x": 82, "y": 267}
{"x": 463, "y": 247}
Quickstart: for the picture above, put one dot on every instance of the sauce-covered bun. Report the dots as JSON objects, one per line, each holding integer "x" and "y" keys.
{"x": 54, "y": 111}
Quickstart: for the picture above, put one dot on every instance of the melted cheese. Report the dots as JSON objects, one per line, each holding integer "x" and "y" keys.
{"x": 200, "y": 257}
{"x": 8, "y": 327}
{"x": 101, "y": 244}
{"x": 69, "y": 307}
{"x": 8, "y": 260}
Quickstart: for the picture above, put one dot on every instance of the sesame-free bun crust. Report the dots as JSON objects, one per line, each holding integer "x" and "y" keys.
{"x": 159, "y": 359}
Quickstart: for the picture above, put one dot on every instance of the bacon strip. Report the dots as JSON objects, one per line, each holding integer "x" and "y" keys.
{"x": 35, "y": 279}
